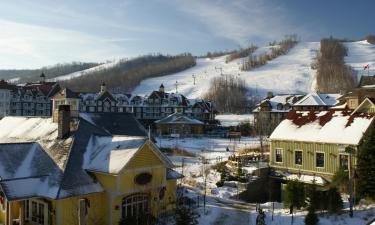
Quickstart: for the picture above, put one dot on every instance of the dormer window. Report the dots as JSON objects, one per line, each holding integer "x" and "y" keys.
{"x": 279, "y": 106}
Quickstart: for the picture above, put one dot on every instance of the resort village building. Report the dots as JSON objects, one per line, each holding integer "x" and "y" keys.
{"x": 311, "y": 145}
{"x": 157, "y": 105}
{"x": 96, "y": 168}
{"x": 30, "y": 99}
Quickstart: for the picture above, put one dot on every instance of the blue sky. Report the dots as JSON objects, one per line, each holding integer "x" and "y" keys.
{"x": 44, "y": 32}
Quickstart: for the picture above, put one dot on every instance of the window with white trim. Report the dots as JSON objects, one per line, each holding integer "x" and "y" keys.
{"x": 298, "y": 157}
{"x": 279, "y": 155}
{"x": 135, "y": 205}
{"x": 319, "y": 159}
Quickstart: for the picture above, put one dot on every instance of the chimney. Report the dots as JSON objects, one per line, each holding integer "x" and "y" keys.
{"x": 269, "y": 94}
{"x": 63, "y": 121}
{"x": 103, "y": 88}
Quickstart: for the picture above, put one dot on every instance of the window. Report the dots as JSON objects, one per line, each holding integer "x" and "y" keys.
{"x": 84, "y": 205}
{"x": 319, "y": 159}
{"x": 298, "y": 158}
{"x": 343, "y": 160}
{"x": 135, "y": 205}
{"x": 279, "y": 155}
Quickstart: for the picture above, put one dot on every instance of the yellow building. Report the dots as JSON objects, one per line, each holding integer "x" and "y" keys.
{"x": 311, "y": 145}
{"x": 95, "y": 169}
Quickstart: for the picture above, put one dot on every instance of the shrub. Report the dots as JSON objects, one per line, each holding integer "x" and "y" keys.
{"x": 334, "y": 200}
{"x": 294, "y": 194}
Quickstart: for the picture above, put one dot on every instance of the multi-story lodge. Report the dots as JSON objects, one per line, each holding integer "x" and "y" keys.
{"x": 30, "y": 99}
{"x": 156, "y": 106}
{"x": 274, "y": 109}
{"x": 313, "y": 145}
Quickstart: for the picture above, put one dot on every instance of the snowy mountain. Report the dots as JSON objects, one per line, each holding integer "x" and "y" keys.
{"x": 290, "y": 73}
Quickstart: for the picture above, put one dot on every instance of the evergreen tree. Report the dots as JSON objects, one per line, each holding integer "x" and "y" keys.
{"x": 366, "y": 165}
{"x": 186, "y": 215}
{"x": 313, "y": 196}
{"x": 294, "y": 195}
{"x": 340, "y": 180}
{"x": 334, "y": 200}
{"x": 311, "y": 217}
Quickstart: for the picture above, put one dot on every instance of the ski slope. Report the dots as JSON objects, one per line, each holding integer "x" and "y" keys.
{"x": 290, "y": 73}
{"x": 361, "y": 53}
{"x": 85, "y": 72}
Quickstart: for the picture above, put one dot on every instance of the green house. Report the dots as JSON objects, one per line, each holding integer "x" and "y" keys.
{"x": 310, "y": 145}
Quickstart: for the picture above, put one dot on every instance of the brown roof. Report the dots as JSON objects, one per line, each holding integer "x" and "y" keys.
{"x": 6, "y": 85}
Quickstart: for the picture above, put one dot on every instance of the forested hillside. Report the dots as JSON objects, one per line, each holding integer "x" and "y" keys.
{"x": 25, "y": 75}
{"x": 333, "y": 75}
{"x": 127, "y": 74}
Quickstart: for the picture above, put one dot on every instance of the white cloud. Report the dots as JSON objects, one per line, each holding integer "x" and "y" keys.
{"x": 30, "y": 46}
{"x": 242, "y": 21}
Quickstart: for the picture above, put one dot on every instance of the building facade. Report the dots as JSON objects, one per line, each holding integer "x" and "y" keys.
{"x": 155, "y": 106}
{"x": 85, "y": 170}
{"x": 311, "y": 145}
{"x": 179, "y": 124}
{"x": 30, "y": 99}
{"x": 272, "y": 110}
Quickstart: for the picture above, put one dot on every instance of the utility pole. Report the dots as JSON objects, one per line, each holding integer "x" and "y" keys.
{"x": 176, "y": 84}
{"x": 194, "y": 78}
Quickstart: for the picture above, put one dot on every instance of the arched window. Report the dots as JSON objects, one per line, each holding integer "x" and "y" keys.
{"x": 135, "y": 205}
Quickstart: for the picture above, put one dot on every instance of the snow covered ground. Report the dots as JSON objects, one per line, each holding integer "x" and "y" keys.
{"x": 214, "y": 151}
{"x": 218, "y": 212}
{"x": 290, "y": 73}
{"x": 228, "y": 120}
{"x": 360, "y": 54}
{"x": 210, "y": 147}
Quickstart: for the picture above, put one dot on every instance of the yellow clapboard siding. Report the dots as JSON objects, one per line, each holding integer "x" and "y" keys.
{"x": 309, "y": 150}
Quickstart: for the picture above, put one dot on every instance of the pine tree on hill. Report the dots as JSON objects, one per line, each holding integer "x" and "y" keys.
{"x": 366, "y": 165}
{"x": 313, "y": 198}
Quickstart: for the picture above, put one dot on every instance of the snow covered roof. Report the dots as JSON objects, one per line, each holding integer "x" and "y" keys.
{"x": 318, "y": 99}
{"x": 179, "y": 118}
{"x": 172, "y": 174}
{"x": 279, "y": 103}
{"x": 46, "y": 166}
{"x": 339, "y": 127}
{"x": 111, "y": 154}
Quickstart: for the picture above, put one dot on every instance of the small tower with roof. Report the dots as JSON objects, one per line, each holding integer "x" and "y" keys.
{"x": 161, "y": 88}
{"x": 103, "y": 88}
{"x": 42, "y": 77}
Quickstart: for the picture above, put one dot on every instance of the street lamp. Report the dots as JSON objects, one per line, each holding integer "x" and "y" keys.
{"x": 350, "y": 150}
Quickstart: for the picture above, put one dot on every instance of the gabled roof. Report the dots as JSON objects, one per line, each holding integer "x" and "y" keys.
{"x": 338, "y": 127}
{"x": 65, "y": 93}
{"x": 53, "y": 168}
{"x": 279, "y": 103}
{"x": 111, "y": 154}
{"x": 106, "y": 94}
{"x": 116, "y": 123}
{"x": 179, "y": 118}
{"x": 369, "y": 101}
{"x": 318, "y": 99}
{"x": 366, "y": 80}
